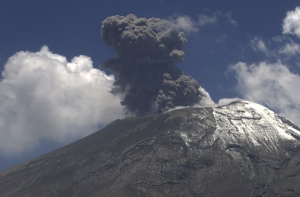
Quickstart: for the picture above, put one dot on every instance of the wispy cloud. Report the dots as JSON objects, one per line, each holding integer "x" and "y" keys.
{"x": 259, "y": 45}
{"x": 205, "y": 19}
{"x": 290, "y": 49}
{"x": 215, "y": 17}
{"x": 45, "y": 97}
{"x": 186, "y": 24}
{"x": 230, "y": 19}
{"x": 276, "y": 47}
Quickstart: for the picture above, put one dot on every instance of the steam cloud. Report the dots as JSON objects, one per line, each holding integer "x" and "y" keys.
{"x": 147, "y": 51}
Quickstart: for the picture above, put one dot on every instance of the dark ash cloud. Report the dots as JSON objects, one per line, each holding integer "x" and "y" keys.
{"x": 147, "y": 76}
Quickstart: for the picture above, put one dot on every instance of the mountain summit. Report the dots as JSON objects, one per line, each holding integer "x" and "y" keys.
{"x": 239, "y": 149}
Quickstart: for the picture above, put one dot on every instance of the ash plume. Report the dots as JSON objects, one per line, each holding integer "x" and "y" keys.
{"x": 147, "y": 76}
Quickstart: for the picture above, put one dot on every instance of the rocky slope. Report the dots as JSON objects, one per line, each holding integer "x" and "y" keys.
{"x": 239, "y": 149}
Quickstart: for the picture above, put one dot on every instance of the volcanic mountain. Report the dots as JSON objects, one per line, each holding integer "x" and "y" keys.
{"x": 239, "y": 149}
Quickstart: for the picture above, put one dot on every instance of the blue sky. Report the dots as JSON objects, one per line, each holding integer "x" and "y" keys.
{"x": 246, "y": 49}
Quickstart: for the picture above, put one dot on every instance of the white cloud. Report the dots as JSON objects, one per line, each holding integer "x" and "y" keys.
{"x": 273, "y": 85}
{"x": 43, "y": 96}
{"x": 291, "y": 23}
{"x": 206, "y": 100}
{"x": 290, "y": 49}
{"x": 204, "y": 19}
{"x": 258, "y": 45}
{"x": 225, "y": 101}
{"x": 185, "y": 23}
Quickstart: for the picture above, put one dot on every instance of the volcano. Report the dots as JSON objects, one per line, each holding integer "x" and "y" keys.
{"x": 238, "y": 149}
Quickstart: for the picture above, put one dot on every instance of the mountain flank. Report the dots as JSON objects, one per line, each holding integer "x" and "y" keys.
{"x": 239, "y": 149}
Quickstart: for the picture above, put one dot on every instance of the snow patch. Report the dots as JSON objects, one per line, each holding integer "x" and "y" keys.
{"x": 245, "y": 122}
{"x": 185, "y": 138}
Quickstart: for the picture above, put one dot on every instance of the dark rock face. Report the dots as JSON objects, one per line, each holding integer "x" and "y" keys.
{"x": 241, "y": 149}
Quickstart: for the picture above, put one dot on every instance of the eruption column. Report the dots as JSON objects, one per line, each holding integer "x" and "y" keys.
{"x": 147, "y": 76}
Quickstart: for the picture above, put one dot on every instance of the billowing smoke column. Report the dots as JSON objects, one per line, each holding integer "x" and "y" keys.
{"x": 147, "y": 51}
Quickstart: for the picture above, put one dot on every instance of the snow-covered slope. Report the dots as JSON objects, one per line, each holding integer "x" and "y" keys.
{"x": 244, "y": 123}
{"x": 249, "y": 133}
{"x": 248, "y": 123}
